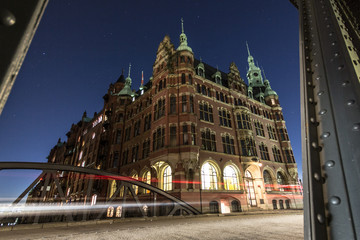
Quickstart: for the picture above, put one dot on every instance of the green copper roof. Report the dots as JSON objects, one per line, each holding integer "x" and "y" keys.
{"x": 183, "y": 39}
{"x": 268, "y": 90}
{"x": 127, "y": 88}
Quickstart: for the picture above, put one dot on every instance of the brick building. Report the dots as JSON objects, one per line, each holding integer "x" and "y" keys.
{"x": 201, "y": 134}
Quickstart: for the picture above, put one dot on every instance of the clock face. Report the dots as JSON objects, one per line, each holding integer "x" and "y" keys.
{"x": 256, "y": 74}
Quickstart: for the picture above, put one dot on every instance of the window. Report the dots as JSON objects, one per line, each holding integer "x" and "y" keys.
{"x": 147, "y": 179}
{"x": 208, "y": 177}
{"x": 172, "y": 104}
{"x": 191, "y": 103}
{"x": 160, "y": 85}
{"x": 182, "y": 59}
{"x": 125, "y": 157}
{"x": 198, "y": 88}
{"x": 264, "y": 152}
{"x": 135, "y": 187}
{"x": 158, "y": 138}
{"x": 208, "y": 140}
{"x": 185, "y": 135}
{"x": 127, "y": 133}
{"x": 259, "y": 129}
{"x": 167, "y": 184}
{"x": 228, "y": 144}
{"x": 206, "y": 112}
{"x": 230, "y": 178}
{"x": 289, "y": 156}
{"x": 277, "y": 154}
{"x": 116, "y": 159}
{"x": 222, "y": 97}
{"x": 268, "y": 181}
{"x": 135, "y": 151}
{"x": 173, "y": 136}
{"x": 146, "y": 148}
{"x": 137, "y": 128}
{"x": 159, "y": 109}
{"x": 147, "y": 124}
{"x": 183, "y": 79}
{"x": 203, "y": 90}
{"x": 193, "y": 135}
{"x": 283, "y": 134}
{"x": 243, "y": 121}
{"x": 271, "y": 132}
{"x": 224, "y": 117}
{"x": 190, "y": 79}
{"x": 248, "y": 147}
{"x": 184, "y": 103}
{"x": 209, "y": 92}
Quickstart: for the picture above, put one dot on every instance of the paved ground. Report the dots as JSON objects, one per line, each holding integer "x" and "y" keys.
{"x": 286, "y": 225}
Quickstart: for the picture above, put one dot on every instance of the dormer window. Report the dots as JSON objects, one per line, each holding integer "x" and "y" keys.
{"x": 182, "y": 59}
{"x": 218, "y": 79}
{"x": 201, "y": 72}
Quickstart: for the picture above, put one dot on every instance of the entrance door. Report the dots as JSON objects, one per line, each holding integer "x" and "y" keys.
{"x": 249, "y": 184}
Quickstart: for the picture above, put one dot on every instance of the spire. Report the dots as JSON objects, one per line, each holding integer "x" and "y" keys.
{"x": 142, "y": 77}
{"x": 127, "y": 88}
{"x": 247, "y": 46}
{"x": 183, "y": 39}
{"x": 129, "y": 70}
{"x": 182, "y": 25}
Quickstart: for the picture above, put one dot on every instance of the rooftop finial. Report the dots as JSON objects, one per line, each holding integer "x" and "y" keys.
{"x": 247, "y": 46}
{"x": 182, "y": 25}
{"x": 129, "y": 69}
{"x": 200, "y": 59}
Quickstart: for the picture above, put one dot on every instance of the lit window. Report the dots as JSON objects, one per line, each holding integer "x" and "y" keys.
{"x": 147, "y": 179}
{"x": 112, "y": 188}
{"x": 167, "y": 179}
{"x": 110, "y": 212}
{"x": 208, "y": 177}
{"x": 230, "y": 178}
{"x": 135, "y": 187}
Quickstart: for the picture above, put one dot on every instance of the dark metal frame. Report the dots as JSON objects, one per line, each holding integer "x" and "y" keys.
{"x": 126, "y": 183}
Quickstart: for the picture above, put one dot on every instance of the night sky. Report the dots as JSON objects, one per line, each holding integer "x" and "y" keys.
{"x": 82, "y": 46}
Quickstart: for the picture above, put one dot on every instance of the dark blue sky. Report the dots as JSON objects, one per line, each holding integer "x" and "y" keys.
{"x": 81, "y": 47}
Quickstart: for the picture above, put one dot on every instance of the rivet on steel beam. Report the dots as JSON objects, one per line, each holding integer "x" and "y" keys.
{"x": 344, "y": 84}
{"x": 335, "y": 200}
{"x": 318, "y": 78}
{"x": 336, "y": 54}
{"x": 350, "y": 102}
{"x": 325, "y": 135}
{"x": 317, "y": 176}
{"x": 333, "y": 43}
{"x": 325, "y": 18}
{"x": 7, "y": 18}
{"x": 356, "y": 127}
{"x": 314, "y": 145}
{"x": 309, "y": 83}
{"x": 329, "y": 163}
{"x": 331, "y": 33}
{"x": 328, "y": 26}
{"x": 340, "y": 67}
{"x": 322, "y": 112}
{"x": 314, "y": 53}
{"x": 316, "y": 65}
{"x": 320, "y": 218}
{"x": 312, "y": 119}
{"x": 320, "y": 93}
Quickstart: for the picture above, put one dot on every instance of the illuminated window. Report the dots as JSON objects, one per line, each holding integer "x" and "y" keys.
{"x": 208, "y": 177}
{"x": 118, "y": 211}
{"x": 112, "y": 188}
{"x": 135, "y": 187}
{"x": 147, "y": 179}
{"x": 167, "y": 177}
{"x": 110, "y": 212}
{"x": 230, "y": 178}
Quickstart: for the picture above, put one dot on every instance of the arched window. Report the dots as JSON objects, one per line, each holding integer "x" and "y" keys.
{"x": 110, "y": 211}
{"x": 112, "y": 188}
{"x": 208, "y": 177}
{"x": 147, "y": 179}
{"x": 281, "y": 181}
{"x": 214, "y": 207}
{"x": 190, "y": 79}
{"x": 230, "y": 178}
{"x": 183, "y": 80}
{"x": 249, "y": 184}
{"x": 268, "y": 181}
{"x": 235, "y": 206}
{"x": 135, "y": 187}
{"x": 167, "y": 183}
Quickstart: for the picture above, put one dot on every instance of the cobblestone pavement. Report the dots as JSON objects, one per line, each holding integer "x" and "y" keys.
{"x": 288, "y": 225}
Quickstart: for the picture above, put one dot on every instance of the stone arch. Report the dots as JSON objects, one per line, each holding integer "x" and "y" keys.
{"x": 254, "y": 169}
